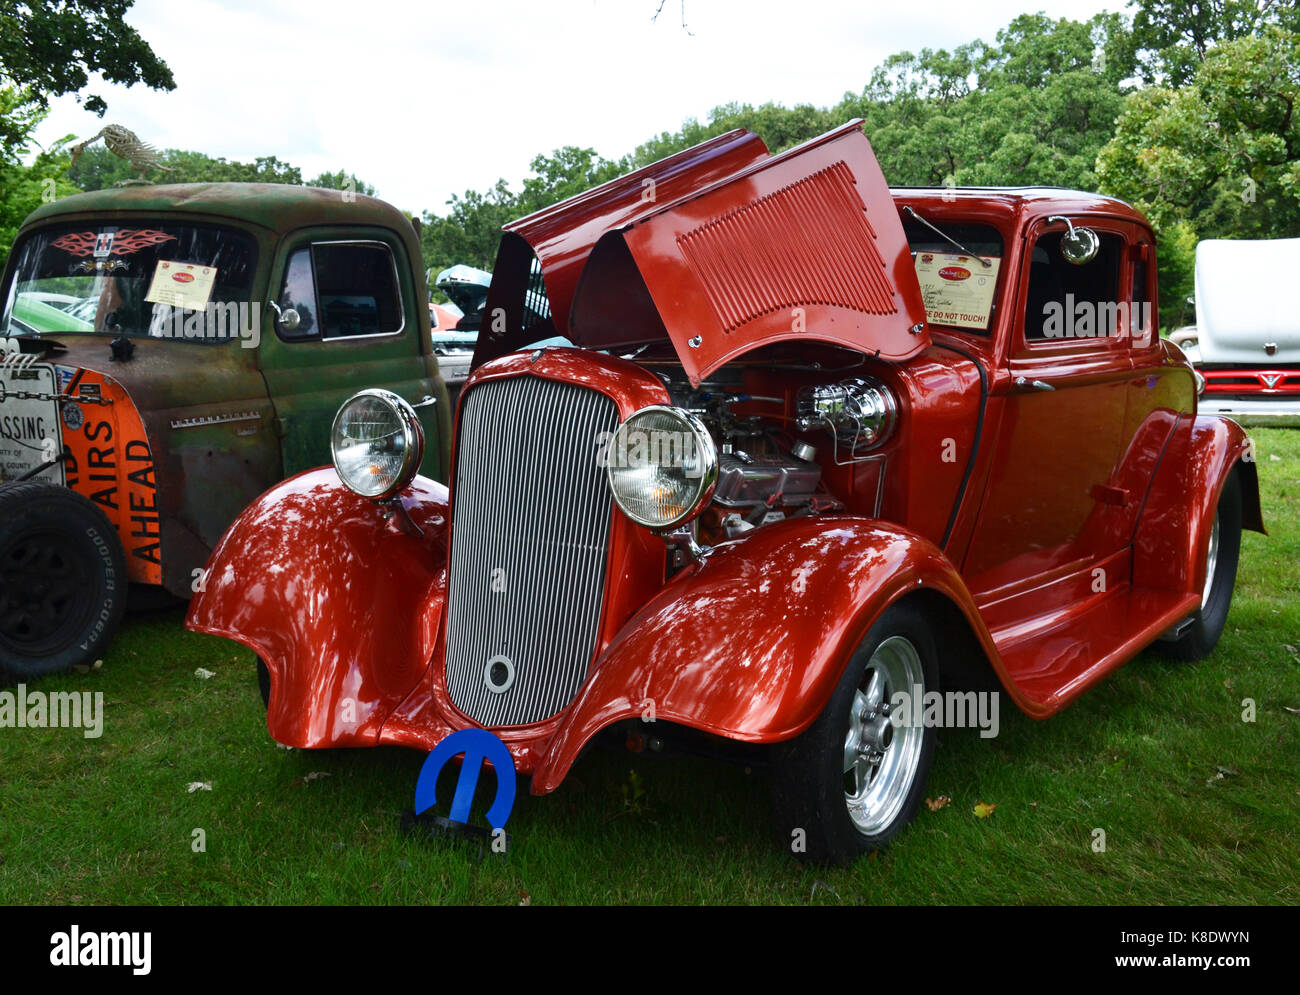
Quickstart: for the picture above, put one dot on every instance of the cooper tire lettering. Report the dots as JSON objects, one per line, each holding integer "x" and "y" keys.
{"x": 61, "y": 598}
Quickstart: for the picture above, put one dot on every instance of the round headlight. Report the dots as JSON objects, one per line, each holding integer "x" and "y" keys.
{"x": 662, "y": 467}
{"x": 377, "y": 443}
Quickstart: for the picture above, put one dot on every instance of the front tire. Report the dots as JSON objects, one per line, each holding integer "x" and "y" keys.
{"x": 63, "y": 583}
{"x": 1223, "y": 549}
{"x": 854, "y": 779}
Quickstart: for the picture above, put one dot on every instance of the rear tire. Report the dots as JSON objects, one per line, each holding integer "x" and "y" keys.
{"x": 63, "y": 583}
{"x": 1224, "y": 545}
{"x": 854, "y": 779}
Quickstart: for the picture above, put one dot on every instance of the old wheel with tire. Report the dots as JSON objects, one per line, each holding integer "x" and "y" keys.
{"x": 856, "y": 776}
{"x": 1223, "y": 547}
{"x": 63, "y": 583}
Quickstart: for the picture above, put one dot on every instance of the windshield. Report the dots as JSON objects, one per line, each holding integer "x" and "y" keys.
{"x": 959, "y": 290}
{"x": 145, "y": 278}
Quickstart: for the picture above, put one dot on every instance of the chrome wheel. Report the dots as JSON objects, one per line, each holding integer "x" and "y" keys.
{"x": 880, "y": 759}
{"x": 1211, "y": 561}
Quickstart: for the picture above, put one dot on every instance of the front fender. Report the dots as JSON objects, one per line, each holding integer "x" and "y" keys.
{"x": 751, "y": 642}
{"x": 340, "y": 603}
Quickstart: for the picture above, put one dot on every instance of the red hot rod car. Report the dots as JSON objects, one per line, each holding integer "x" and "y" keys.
{"x": 812, "y": 444}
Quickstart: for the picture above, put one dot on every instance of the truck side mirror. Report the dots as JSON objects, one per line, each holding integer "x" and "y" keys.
{"x": 1078, "y": 245}
{"x": 289, "y": 319}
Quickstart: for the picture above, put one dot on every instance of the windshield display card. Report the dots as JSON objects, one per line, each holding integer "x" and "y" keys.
{"x": 957, "y": 289}
{"x": 184, "y": 285}
{"x": 29, "y": 429}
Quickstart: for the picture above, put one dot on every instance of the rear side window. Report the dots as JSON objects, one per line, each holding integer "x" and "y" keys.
{"x": 1067, "y": 302}
{"x": 1142, "y": 315}
{"x": 342, "y": 290}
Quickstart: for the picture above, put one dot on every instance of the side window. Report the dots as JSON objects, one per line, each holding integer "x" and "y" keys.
{"x": 1142, "y": 310}
{"x": 356, "y": 284}
{"x": 1066, "y": 301}
{"x": 299, "y": 293}
{"x": 341, "y": 289}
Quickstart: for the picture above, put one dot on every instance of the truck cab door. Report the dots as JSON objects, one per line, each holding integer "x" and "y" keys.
{"x": 350, "y": 317}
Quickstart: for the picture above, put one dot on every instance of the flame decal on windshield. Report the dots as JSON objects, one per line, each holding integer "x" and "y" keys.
{"x": 121, "y": 243}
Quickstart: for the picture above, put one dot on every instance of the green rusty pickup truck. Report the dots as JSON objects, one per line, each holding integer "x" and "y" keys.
{"x": 167, "y": 353}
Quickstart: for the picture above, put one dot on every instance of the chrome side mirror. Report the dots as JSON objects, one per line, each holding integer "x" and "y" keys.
{"x": 1078, "y": 245}
{"x": 288, "y": 319}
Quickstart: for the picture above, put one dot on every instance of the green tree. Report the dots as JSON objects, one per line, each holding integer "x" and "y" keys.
{"x": 25, "y": 188}
{"x": 1176, "y": 35}
{"x": 1224, "y": 151}
{"x": 471, "y": 231}
{"x": 565, "y": 172}
{"x": 342, "y": 180}
{"x": 1218, "y": 158}
{"x": 98, "y": 169}
{"x": 20, "y": 112}
{"x": 50, "y": 49}
{"x": 780, "y": 128}
{"x": 1032, "y": 108}
{"x": 196, "y": 167}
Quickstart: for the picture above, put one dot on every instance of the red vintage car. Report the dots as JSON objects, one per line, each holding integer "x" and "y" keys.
{"x": 813, "y": 447}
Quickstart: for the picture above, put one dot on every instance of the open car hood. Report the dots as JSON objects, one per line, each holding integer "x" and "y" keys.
{"x": 722, "y": 249}
{"x": 467, "y": 288}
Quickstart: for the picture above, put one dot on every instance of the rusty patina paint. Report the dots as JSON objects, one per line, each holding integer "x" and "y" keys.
{"x": 208, "y": 469}
{"x": 277, "y": 207}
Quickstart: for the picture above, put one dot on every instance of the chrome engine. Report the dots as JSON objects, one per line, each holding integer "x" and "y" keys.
{"x": 858, "y": 414}
{"x": 765, "y": 474}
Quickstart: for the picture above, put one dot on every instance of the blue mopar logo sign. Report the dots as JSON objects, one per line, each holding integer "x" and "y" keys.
{"x": 478, "y": 745}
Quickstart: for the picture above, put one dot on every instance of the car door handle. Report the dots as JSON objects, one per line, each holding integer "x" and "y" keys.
{"x": 1024, "y": 383}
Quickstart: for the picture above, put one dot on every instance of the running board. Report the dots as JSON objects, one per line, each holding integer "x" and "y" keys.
{"x": 1053, "y": 668}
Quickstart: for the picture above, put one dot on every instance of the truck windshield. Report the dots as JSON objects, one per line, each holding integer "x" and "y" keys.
{"x": 139, "y": 278}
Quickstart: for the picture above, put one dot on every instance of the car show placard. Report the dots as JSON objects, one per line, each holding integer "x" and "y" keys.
{"x": 957, "y": 289}
{"x": 183, "y": 285}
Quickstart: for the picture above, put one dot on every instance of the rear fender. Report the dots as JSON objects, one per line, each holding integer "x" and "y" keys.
{"x": 1173, "y": 532}
{"x": 750, "y": 644}
{"x": 340, "y": 603}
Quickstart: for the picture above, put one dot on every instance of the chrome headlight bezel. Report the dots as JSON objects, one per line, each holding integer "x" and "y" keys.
{"x": 705, "y": 481}
{"x": 412, "y": 441}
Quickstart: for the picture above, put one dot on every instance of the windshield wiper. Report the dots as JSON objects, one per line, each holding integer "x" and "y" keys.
{"x": 946, "y": 237}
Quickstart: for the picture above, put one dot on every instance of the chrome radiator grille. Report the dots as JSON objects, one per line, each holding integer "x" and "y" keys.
{"x": 529, "y": 542}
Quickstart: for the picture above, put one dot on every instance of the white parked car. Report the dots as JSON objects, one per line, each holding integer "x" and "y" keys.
{"x": 1246, "y": 340}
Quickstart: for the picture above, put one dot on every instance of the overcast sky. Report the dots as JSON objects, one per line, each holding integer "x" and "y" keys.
{"x": 426, "y": 100}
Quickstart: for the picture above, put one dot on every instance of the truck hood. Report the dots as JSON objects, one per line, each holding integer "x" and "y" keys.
{"x": 722, "y": 249}
{"x": 162, "y": 375}
{"x": 1243, "y": 313}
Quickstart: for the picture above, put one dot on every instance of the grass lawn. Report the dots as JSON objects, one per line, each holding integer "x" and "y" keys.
{"x": 1197, "y": 805}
